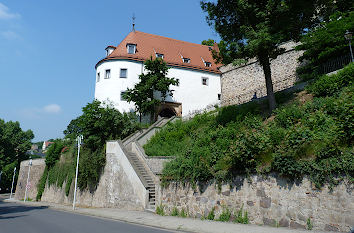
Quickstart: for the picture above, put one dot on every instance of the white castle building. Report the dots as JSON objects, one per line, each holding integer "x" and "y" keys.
{"x": 192, "y": 64}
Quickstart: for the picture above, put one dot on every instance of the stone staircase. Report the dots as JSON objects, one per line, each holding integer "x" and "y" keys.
{"x": 145, "y": 174}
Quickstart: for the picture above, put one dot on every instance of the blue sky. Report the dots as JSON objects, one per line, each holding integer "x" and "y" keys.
{"x": 48, "y": 50}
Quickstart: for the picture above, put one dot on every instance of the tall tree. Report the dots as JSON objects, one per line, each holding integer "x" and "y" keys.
{"x": 256, "y": 28}
{"x": 154, "y": 86}
{"x": 100, "y": 122}
{"x": 14, "y": 143}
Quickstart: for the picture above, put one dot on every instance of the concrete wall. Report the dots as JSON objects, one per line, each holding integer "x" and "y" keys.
{"x": 271, "y": 201}
{"x": 190, "y": 92}
{"x": 37, "y": 169}
{"x": 240, "y": 83}
{"x": 118, "y": 187}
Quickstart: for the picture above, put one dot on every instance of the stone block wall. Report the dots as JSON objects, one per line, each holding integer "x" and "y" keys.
{"x": 272, "y": 201}
{"x": 240, "y": 83}
{"x": 37, "y": 169}
{"x": 113, "y": 191}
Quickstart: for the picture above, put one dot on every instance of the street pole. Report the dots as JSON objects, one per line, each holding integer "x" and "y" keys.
{"x": 348, "y": 36}
{"x": 79, "y": 139}
{"x": 351, "y": 51}
{"x": 0, "y": 178}
{"x": 29, "y": 169}
{"x": 13, "y": 180}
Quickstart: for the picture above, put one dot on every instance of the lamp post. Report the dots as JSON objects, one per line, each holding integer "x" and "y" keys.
{"x": 79, "y": 140}
{"x": 0, "y": 178}
{"x": 13, "y": 180}
{"x": 348, "y": 36}
{"x": 29, "y": 169}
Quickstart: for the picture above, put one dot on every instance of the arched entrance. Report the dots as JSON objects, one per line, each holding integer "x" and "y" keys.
{"x": 169, "y": 109}
{"x": 167, "y": 112}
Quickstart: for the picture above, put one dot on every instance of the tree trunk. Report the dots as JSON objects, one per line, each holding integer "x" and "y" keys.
{"x": 264, "y": 60}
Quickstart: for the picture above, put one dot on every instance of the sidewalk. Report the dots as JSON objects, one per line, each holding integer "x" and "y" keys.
{"x": 166, "y": 222}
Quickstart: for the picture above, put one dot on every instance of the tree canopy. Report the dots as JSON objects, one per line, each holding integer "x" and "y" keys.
{"x": 325, "y": 42}
{"x": 14, "y": 143}
{"x": 153, "y": 86}
{"x": 100, "y": 122}
{"x": 256, "y": 28}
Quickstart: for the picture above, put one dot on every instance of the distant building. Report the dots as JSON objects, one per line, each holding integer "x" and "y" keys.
{"x": 46, "y": 144}
{"x": 192, "y": 64}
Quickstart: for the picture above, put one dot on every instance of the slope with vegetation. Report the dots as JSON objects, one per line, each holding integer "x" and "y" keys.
{"x": 311, "y": 134}
{"x": 98, "y": 123}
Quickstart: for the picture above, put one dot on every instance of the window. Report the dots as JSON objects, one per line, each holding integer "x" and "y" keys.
{"x": 108, "y": 74}
{"x": 205, "y": 81}
{"x": 159, "y": 55}
{"x": 98, "y": 76}
{"x": 122, "y": 93}
{"x": 207, "y": 64}
{"x": 186, "y": 60}
{"x": 219, "y": 96}
{"x": 131, "y": 48}
{"x": 123, "y": 73}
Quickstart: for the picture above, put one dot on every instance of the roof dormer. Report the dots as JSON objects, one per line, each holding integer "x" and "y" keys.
{"x": 109, "y": 49}
{"x": 131, "y": 48}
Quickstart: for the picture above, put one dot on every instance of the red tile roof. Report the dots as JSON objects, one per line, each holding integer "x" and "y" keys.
{"x": 148, "y": 45}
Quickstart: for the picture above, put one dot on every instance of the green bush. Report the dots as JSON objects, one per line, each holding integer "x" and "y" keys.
{"x": 311, "y": 139}
{"x": 183, "y": 214}
{"x": 90, "y": 167}
{"x": 160, "y": 210}
{"x": 328, "y": 85}
{"x": 225, "y": 215}
{"x": 174, "y": 212}
{"x": 53, "y": 153}
{"x": 241, "y": 217}
{"x": 41, "y": 184}
{"x": 211, "y": 215}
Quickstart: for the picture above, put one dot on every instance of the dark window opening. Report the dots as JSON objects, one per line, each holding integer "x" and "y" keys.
{"x": 167, "y": 112}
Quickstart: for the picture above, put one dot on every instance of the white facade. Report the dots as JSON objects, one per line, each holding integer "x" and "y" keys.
{"x": 190, "y": 92}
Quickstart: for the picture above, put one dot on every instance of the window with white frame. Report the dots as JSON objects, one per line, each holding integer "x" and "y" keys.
{"x": 207, "y": 64}
{"x": 98, "y": 77}
{"x": 123, "y": 73}
{"x": 159, "y": 55}
{"x": 108, "y": 74}
{"x": 205, "y": 81}
{"x": 219, "y": 96}
{"x": 131, "y": 48}
{"x": 122, "y": 93}
{"x": 186, "y": 60}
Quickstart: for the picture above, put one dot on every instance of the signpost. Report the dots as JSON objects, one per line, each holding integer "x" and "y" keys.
{"x": 27, "y": 183}
{"x": 79, "y": 140}
{"x": 13, "y": 180}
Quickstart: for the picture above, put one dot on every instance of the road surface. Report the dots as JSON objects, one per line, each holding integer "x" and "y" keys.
{"x": 16, "y": 218}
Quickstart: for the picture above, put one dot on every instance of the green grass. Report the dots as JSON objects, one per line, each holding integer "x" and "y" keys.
{"x": 312, "y": 138}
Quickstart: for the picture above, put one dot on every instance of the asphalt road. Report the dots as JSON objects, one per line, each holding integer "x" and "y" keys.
{"x": 15, "y": 218}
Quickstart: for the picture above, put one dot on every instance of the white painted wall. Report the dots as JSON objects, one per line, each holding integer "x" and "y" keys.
{"x": 110, "y": 89}
{"x": 190, "y": 92}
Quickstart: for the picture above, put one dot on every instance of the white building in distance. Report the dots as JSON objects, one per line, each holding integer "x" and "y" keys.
{"x": 192, "y": 64}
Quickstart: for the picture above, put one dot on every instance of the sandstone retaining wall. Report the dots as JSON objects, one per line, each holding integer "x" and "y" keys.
{"x": 113, "y": 191}
{"x": 271, "y": 201}
{"x": 240, "y": 83}
{"x": 37, "y": 169}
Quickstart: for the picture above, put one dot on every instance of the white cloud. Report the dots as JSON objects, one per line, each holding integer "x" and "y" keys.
{"x": 52, "y": 108}
{"x": 37, "y": 113}
{"x": 10, "y": 35}
{"x": 6, "y": 14}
